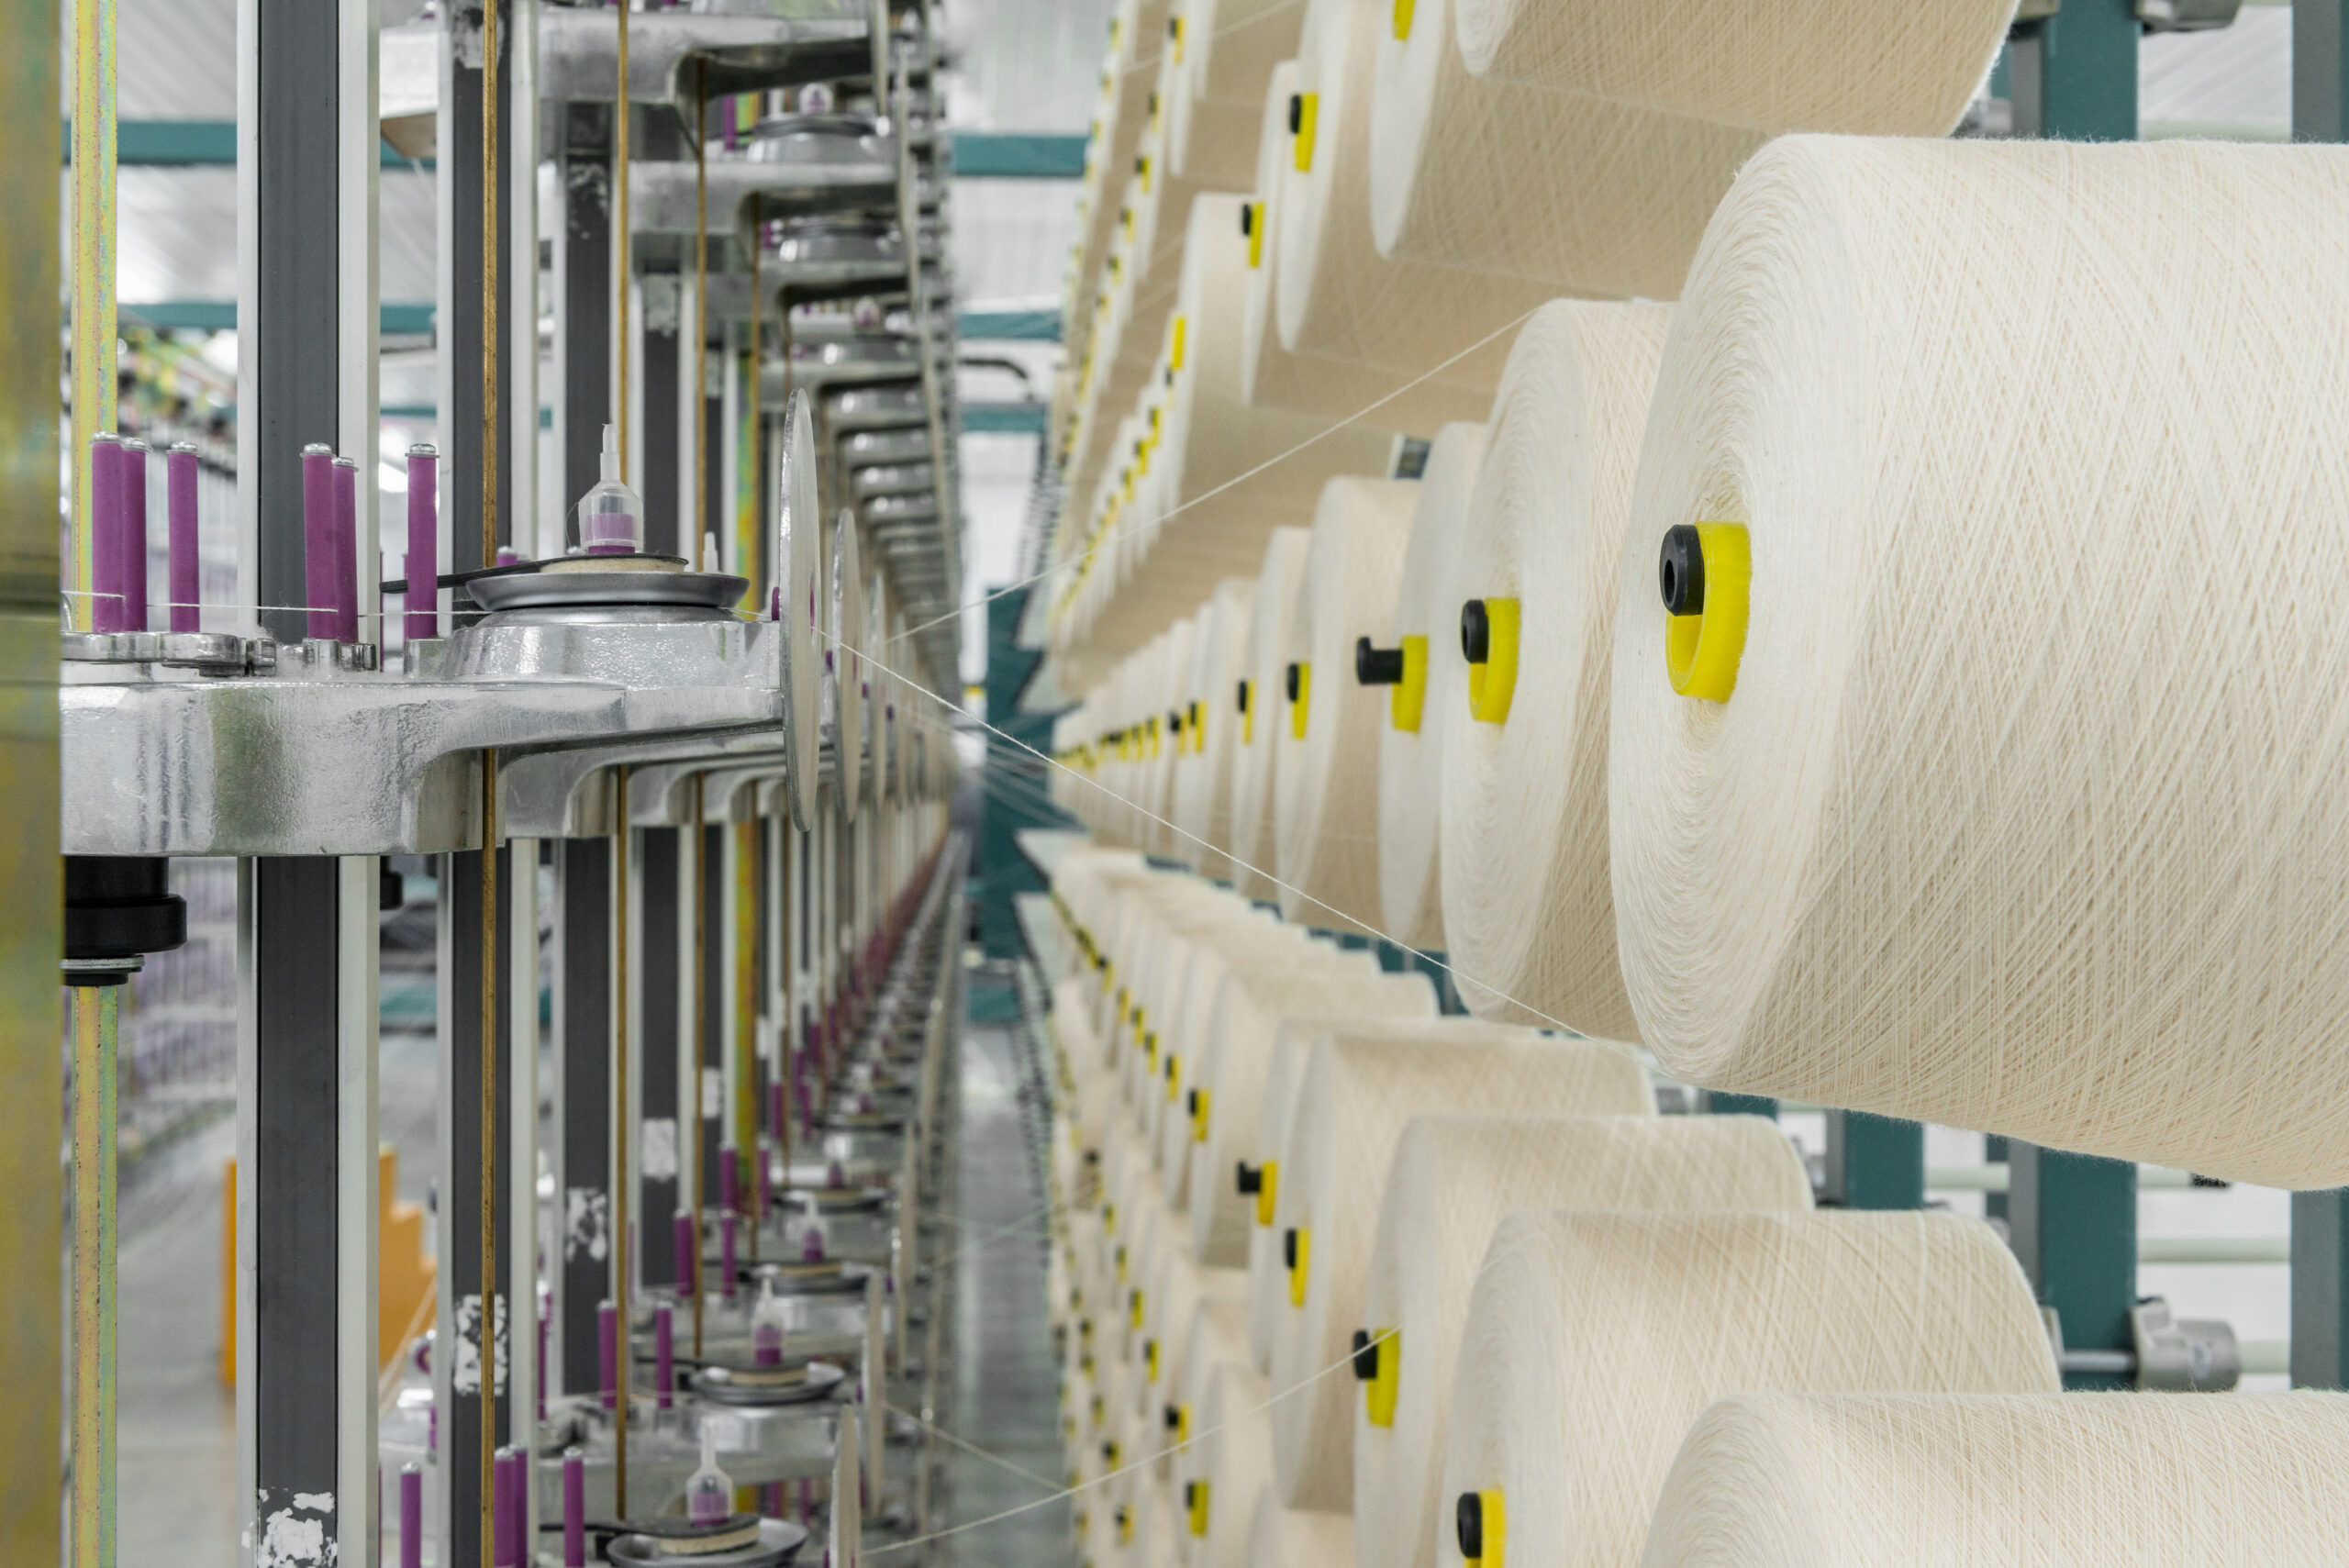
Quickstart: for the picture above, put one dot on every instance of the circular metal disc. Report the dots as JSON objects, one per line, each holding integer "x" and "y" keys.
{"x": 798, "y": 557}
{"x": 779, "y": 1540}
{"x": 848, "y": 673}
{"x": 536, "y": 590}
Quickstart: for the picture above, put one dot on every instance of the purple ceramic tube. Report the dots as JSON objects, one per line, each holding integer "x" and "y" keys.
{"x": 106, "y": 608}
{"x": 346, "y": 550}
{"x": 683, "y": 1237}
{"x": 507, "y": 1512}
{"x": 411, "y": 1516}
{"x": 608, "y": 1346}
{"x": 726, "y": 1255}
{"x": 665, "y": 1354}
{"x": 184, "y": 571}
{"x": 317, "y": 537}
{"x": 423, "y": 597}
{"x": 134, "y": 532}
{"x": 508, "y": 556}
{"x": 574, "y": 1509}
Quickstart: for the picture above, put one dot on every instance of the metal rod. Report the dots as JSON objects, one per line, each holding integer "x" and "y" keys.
{"x": 757, "y": 362}
{"x": 489, "y": 344}
{"x": 94, "y": 1012}
{"x": 701, "y": 310}
{"x": 489, "y": 994}
{"x": 623, "y": 244}
{"x": 94, "y": 275}
{"x": 701, "y": 1030}
{"x": 623, "y": 1188}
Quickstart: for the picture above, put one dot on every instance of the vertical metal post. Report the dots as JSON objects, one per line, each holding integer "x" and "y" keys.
{"x": 2073, "y": 1221}
{"x": 2320, "y": 1346}
{"x": 31, "y": 1001}
{"x": 92, "y": 1529}
{"x": 2073, "y": 76}
{"x": 2319, "y": 71}
{"x": 518, "y": 1000}
{"x": 582, "y": 1000}
{"x": 664, "y": 533}
{"x": 659, "y": 890}
{"x": 583, "y": 292}
{"x": 473, "y": 390}
{"x": 709, "y": 1007}
{"x": 477, "y": 1320}
{"x": 94, "y": 263}
{"x": 1874, "y": 1161}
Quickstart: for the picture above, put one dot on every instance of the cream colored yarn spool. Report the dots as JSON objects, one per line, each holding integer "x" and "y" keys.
{"x": 1256, "y": 943}
{"x": 1334, "y": 294}
{"x": 2028, "y": 819}
{"x": 1452, "y": 1179}
{"x": 1236, "y": 1074}
{"x": 2058, "y": 1480}
{"x": 1217, "y": 1336}
{"x": 1593, "y": 1341}
{"x": 1235, "y": 45}
{"x": 1231, "y": 1457}
{"x": 1217, "y": 439}
{"x": 1361, "y": 1086}
{"x": 1298, "y": 1538}
{"x": 1271, "y": 377}
{"x": 1588, "y": 194}
{"x": 1211, "y": 730}
{"x": 1178, "y": 1293}
{"x": 1411, "y": 762}
{"x": 1253, "y": 760}
{"x": 1850, "y": 65}
{"x": 1528, "y": 915}
{"x": 1212, "y": 142}
{"x": 1325, "y": 784}
{"x": 1170, "y": 680}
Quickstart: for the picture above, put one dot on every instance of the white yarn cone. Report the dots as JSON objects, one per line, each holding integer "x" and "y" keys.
{"x": 1452, "y": 1179}
{"x": 2062, "y": 1480}
{"x": 2015, "y": 818}
{"x": 1360, "y": 1086}
{"x": 1593, "y": 1341}
{"x": 1529, "y": 915}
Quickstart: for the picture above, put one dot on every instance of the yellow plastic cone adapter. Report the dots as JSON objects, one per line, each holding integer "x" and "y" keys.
{"x": 1707, "y": 574}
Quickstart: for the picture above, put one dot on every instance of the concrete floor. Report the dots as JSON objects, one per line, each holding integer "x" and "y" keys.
{"x": 1007, "y": 1394}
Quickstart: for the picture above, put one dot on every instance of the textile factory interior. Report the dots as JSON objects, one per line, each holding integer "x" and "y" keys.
{"x": 1176, "y": 784}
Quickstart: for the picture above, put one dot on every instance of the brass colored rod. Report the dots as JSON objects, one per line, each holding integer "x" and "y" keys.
{"x": 94, "y": 1012}
{"x": 93, "y": 279}
{"x": 624, "y": 242}
{"x": 621, "y": 1182}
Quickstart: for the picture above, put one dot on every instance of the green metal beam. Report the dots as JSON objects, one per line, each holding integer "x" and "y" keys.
{"x": 196, "y": 144}
{"x": 1874, "y": 1161}
{"x": 2073, "y": 1221}
{"x": 2319, "y": 71}
{"x": 400, "y": 319}
{"x": 1713, "y": 1103}
{"x": 2320, "y": 1289}
{"x": 1016, "y": 155}
{"x": 1003, "y": 418}
{"x": 1009, "y": 326}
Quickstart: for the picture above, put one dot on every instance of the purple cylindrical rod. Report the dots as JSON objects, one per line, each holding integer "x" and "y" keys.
{"x": 683, "y": 1237}
{"x": 184, "y": 570}
{"x": 423, "y": 597}
{"x": 574, "y": 1509}
{"x": 108, "y": 612}
{"x": 134, "y": 532}
{"x": 507, "y": 1511}
{"x": 317, "y": 537}
{"x": 730, "y": 1180}
{"x": 726, "y": 1255}
{"x": 608, "y": 1348}
{"x": 411, "y": 1516}
{"x": 346, "y": 550}
{"x": 665, "y": 1354}
{"x": 508, "y": 556}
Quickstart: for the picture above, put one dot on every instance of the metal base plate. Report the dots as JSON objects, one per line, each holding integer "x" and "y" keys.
{"x": 779, "y": 1540}
{"x": 580, "y": 589}
{"x": 802, "y": 1385}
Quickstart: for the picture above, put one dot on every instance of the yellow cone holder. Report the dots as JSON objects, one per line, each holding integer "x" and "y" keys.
{"x": 1247, "y": 716}
{"x": 1255, "y": 234}
{"x": 1198, "y": 1501}
{"x": 1402, "y": 21}
{"x": 1303, "y": 705}
{"x": 1407, "y": 702}
{"x": 1492, "y": 684}
{"x": 1264, "y": 1188}
{"x": 1305, "y": 104}
{"x": 1378, "y": 1395}
{"x": 1200, "y": 1114}
{"x": 1701, "y": 651}
{"x": 1173, "y": 1075}
{"x": 1298, "y": 1265}
{"x": 1495, "y": 1531}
